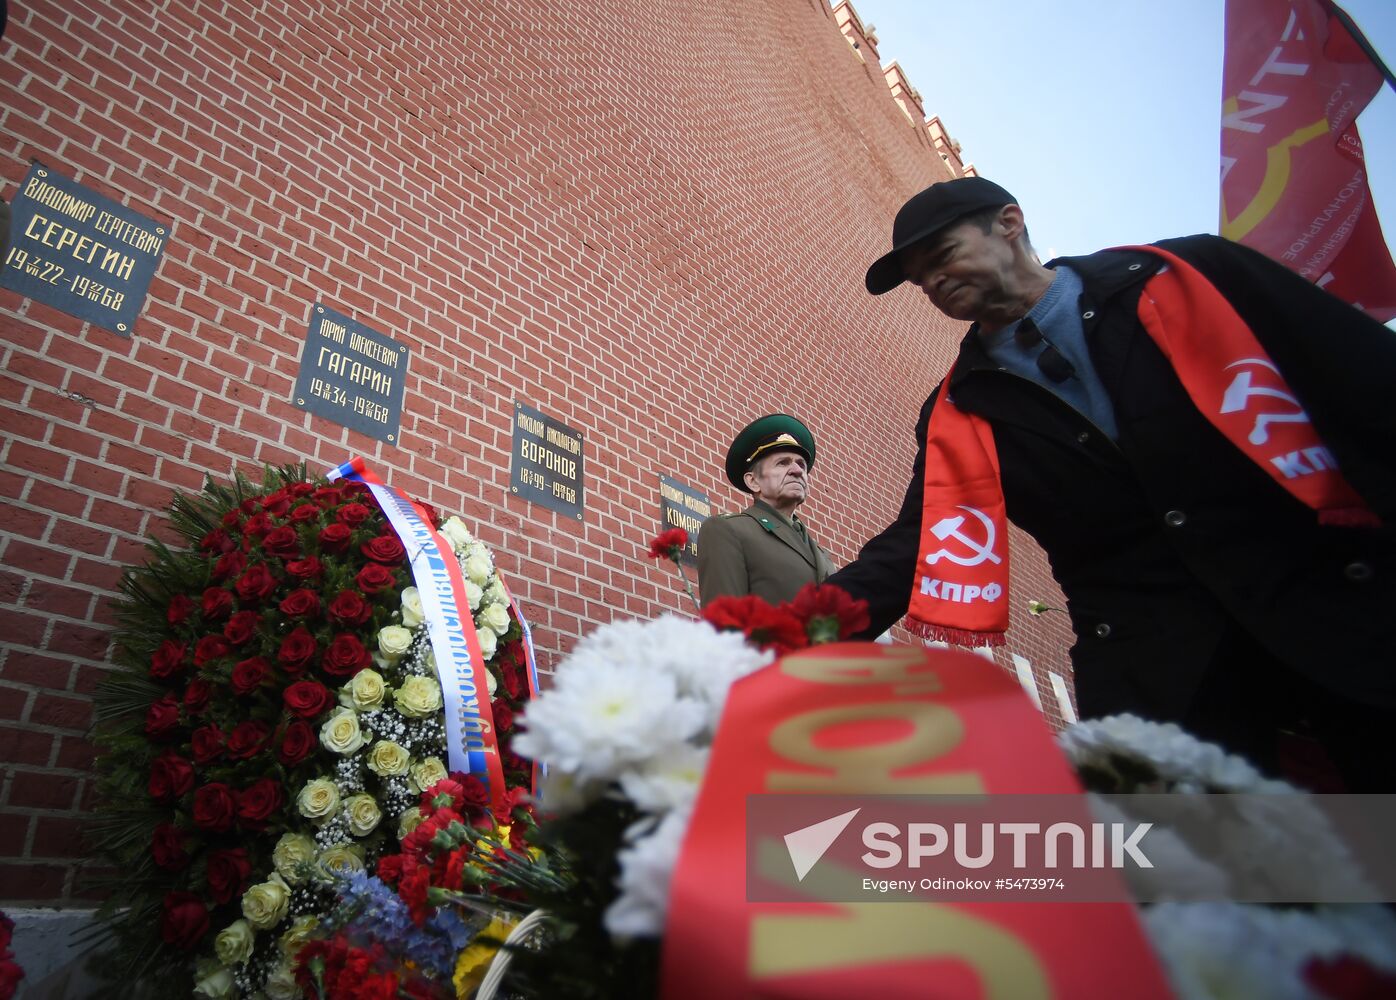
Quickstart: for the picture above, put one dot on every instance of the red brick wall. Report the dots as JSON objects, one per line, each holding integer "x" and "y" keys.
{"x": 647, "y": 218}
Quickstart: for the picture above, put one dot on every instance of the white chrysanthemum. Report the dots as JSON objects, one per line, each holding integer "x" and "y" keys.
{"x": 1183, "y": 762}
{"x": 667, "y": 781}
{"x": 646, "y": 870}
{"x": 561, "y": 794}
{"x": 601, "y": 718}
{"x": 1178, "y": 872}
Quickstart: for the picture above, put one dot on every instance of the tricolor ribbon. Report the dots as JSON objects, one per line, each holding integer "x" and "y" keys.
{"x": 529, "y": 659}
{"x": 472, "y": 745}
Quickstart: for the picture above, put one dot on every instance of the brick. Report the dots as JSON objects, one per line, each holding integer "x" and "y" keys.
{"x": 75, "y": 754}
{"x": 60, "y": 838}
{"x": 41, "y": 560}
{"x": 14, "y": 833}
{"x": 24, "y": 747}
{"x": 25, "y": 882}
{"x": 60, "y": 712}
{"x": 42, "y": 790}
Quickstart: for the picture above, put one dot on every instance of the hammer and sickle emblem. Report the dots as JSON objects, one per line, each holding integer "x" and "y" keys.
{"x": 1241, "y": 390}
{"x": 949, "y": 527}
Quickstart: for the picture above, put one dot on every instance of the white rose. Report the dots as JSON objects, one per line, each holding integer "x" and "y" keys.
{"x": 412, "y": 613}
{"x": 296, "y": 938}
{"x": 216, "y": 985}
{"x": 488, "y": 643}
{"x": 342, "y": 858}
{"x": 495, "y": 617}
{"x": 428, "y": 772}
{"x": 408, "y": 821}
{"x": 477, "y": 567}
{"x": 388, "y": 759}
{"x": 473, "y": 595}
{"x": 233, "y": 945}
{"x": 293, "y": 850}
{"x": 364, "y": 691}
{"x": 489, "y": 679}
{"x": 456, "y": 533}
{"x": 264, "y": 905}
{"x": 393, "y": 641}
{"x": 281, "y": 984}
{"x": 418, "y": 697}
{"x": 494, "y": 593}
{"x": 362, "y": 814}
{"x": 319, "y": 799}
{"x": 341, "y": 733}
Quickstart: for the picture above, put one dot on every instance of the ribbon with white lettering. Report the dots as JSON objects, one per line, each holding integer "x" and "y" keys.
{"x": 472, "y": 744}
{"x": 867, "y": 719}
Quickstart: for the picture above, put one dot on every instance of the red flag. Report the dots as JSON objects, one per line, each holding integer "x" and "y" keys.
{"x": 1293, "y": 180}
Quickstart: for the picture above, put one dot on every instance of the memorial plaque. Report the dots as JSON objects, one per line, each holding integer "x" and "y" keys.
{"x": 681, "y": 506}
{"x": 78, "y": 251}
{"x": 547, "y": 462}
{"x": 352, "y": 375}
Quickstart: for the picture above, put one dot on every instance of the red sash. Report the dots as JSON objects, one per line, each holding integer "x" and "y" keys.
{"x": 960, "y": 589}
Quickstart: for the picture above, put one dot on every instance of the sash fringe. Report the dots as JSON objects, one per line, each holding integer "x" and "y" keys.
{"x": 1349, "y": 517}
{"x": 953, "y": 636}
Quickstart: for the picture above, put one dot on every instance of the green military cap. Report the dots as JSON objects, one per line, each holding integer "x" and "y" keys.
{"x": 773, "y": 431}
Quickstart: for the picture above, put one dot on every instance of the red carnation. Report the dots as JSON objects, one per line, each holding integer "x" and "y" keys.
{"x": 255, "y": 584}
{"x": 258, "y": 801}
{"x": 1348, "y": 977}
{"x": 307, "y": 699}
{"x": 229, "y": 871}
{"x": 247, "y": 739}
{"x": 196, "y": 696}
{"x": 207, "y": 743}
{"x": 248, "y": 675}
{"x": 297, "y": 744}
{"x": 353, "y": 514}
{"x": 828, "y": 613}
{"x": 349, "y": 609}
{"x": 305, "y": 569}
{"x": 297, "y": 651}
{"x": 167, "y": 847}
{"x": 282, "y": 543}
{"x": 162, "y": 719}
{"x": 335, "y": 538}
{"x": 214, "y": 807}
{"x": 763, "y": 625}
{"x": 512, "y": 799}
{"x": 210, "y": 647}
{"x": 178, "y": 610}
{"x": 374, "y": 579}
{"x": 385, "y": 549}
{"x": 183, "y": 920}
{"x": 474, "y": 793}
{"x": 303, "y": 513}
{"x": 167, "y": 660}
{"x": 345, "y": 656}
{"x": 301, "y": 603}
{"x": 669, "y": 544}
{"x": 171, "y": 776}
{"x": 241, "y": 627}
{"x": 229, "y": 565}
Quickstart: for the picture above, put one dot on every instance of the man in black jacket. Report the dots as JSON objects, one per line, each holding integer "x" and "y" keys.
{"x": 1200, "y": 590}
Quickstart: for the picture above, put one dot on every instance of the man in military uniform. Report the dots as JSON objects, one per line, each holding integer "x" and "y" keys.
{"x": 765, "y": 550}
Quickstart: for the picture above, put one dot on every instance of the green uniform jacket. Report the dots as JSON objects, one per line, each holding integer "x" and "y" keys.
{"x": 756, "y": 552}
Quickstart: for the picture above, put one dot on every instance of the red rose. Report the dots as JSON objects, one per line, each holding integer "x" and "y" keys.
{"x": 515, "y": 678}
{"x": 297, "y": 744}
{"x": 171, "y": 776}
{"x": 432, "y": 515}
{"x": 305, "y": 569}
{"x": 162, "y": 719}
{"x": 282, "y": 543}
{"x": 196, "y": 696}
{"x": 241, "y": 627}
{"x": 386, "y": 549}
{"x": 249, "y": 675}
{"x": 257, "y": 525}
{"x": 307, "y": 699}
{"x": 183, "y": 920}
{"x": 167, "y": 660}
{"x": 167, "y": 847}
{"x": 207, "y": 742}
{"x": 349, "y": 609}
{"x": 299, "y": 490}
{"x": 229, "y": 565}
{"x": 304, "y": 512}
{"x": 276, "y": 503}
{"x": 210, "y": 647}
{"x": 258, "y": 801}
{"x": 353, "y": 514}
{"x": 503, "y": 716}
{"x": 232, "y": 519}
{"x": 178, "y": 609}
{"x": 214, "y": 807}
{"x": 216, "y": 603}
{"x": 335, "y": 538}
{"x": 247, "y": 739}
{"x": 229, "y": 871}
{"x": 216, "y": 540}
{"x": 301, "y": 603}
{"x": 328, "y": 496}
{"x": 373, "y": 578}
{"x": 296, "y": 652}
{"x": 255, "y": 584}
{"x": 345, "y": 656}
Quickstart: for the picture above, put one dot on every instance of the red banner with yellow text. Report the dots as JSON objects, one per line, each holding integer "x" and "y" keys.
{"x": 864, "y": 718}
{"x": 1293, "y": 177}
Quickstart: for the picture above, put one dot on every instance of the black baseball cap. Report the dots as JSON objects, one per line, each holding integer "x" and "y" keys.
{"x": 928, "y": 213}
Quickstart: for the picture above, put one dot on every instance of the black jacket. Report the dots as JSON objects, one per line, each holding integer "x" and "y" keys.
{"x": 1170, "y": 537}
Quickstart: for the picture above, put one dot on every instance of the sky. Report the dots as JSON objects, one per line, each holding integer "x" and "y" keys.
{"x": 1102, "y": 117}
